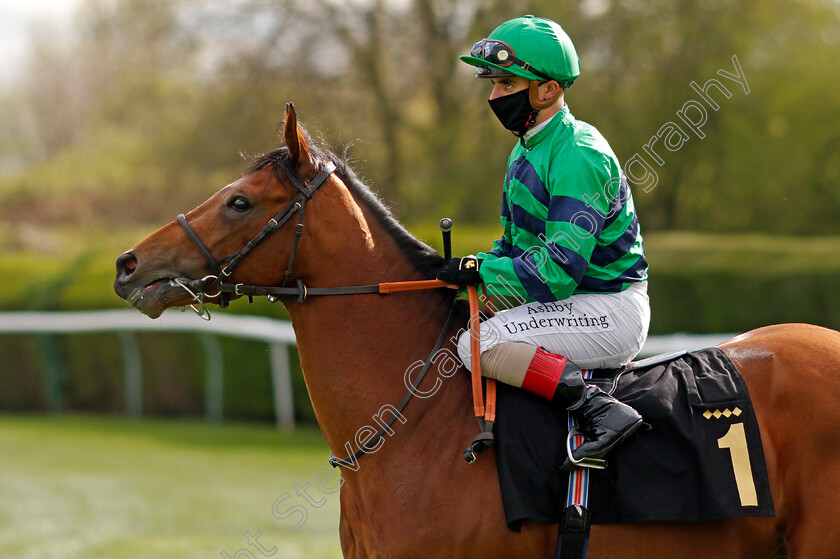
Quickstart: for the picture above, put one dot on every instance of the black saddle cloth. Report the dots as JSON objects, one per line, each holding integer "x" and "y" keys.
{"x": 680, "y": 470}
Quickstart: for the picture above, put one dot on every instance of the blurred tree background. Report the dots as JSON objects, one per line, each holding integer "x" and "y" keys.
{"x": 145, "y": 110}
{"x": 148, "y": 106}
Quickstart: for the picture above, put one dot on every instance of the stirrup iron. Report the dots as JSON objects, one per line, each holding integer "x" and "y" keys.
{"x": 585, "y": 462}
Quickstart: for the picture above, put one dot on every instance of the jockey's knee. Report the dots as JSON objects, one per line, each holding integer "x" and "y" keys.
{"x": 508, "y": 362}
{"x": 504, "y": 361}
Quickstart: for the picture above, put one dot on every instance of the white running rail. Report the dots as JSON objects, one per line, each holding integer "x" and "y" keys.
{"x": 278, "y": 334}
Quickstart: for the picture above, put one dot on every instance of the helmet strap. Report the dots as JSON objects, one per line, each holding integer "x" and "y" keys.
{"x": 532, "y": 119}
{"x": 534, "y": 98}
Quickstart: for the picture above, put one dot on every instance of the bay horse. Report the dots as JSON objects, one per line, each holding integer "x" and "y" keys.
{"x": 415, "y": 496}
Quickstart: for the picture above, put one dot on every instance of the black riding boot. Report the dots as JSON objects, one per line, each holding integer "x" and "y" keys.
{"x": 606, "y": 421}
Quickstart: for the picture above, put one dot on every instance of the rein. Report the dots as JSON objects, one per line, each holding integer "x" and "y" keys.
{"x": 368, "y": 445}
{"x": 485, "y": 409}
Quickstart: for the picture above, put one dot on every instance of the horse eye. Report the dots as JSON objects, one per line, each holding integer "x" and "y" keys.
{"x": 239, "y": 204}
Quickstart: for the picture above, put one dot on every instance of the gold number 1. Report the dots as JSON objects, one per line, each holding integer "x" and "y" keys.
{"x": 736, "y": 441}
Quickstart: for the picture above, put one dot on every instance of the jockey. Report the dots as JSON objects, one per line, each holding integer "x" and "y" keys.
{"x": 569, "y": 271}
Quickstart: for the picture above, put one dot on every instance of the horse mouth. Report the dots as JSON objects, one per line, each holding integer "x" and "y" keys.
{"x": 156, "y": 296}
{"x": 154, "y": 285}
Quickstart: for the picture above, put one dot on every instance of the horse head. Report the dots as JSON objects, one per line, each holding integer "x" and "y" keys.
{"x": 211, "y": 240}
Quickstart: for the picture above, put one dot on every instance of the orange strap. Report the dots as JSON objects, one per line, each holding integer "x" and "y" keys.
{"x": 481, "y": 407}
{"x": 399, "y": 286}
{"x": 490, "y": 404}
{"x": 475, "y": 352}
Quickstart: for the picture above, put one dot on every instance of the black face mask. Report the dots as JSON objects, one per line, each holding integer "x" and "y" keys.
{"x": 514, "y": 111}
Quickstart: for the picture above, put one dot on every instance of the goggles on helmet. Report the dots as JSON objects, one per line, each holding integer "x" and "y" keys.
{"x": 500, "y": 54}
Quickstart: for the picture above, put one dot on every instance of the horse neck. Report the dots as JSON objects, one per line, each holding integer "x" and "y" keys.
{"x": 355, "y": 349}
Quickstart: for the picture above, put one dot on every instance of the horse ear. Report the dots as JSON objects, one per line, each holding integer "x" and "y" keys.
{"x": 296, "y": 139}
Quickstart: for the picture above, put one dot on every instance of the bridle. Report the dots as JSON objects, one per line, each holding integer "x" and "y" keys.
{"x": 198, "y": 289}
{"x": 214, "y": 285}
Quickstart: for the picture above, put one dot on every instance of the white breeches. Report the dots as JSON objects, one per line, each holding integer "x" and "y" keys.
{"x": 603, "y": 330}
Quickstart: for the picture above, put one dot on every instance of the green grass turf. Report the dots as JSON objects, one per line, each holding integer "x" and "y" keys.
{"x": 111, "y": 488}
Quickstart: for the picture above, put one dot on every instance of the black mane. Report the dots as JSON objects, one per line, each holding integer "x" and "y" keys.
{"x": 427, "y": 261}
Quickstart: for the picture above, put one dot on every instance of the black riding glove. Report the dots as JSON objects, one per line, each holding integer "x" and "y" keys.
{"x": 461, "y": 271}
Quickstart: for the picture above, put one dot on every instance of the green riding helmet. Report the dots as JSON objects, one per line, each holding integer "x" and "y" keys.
{"x": 530, "y": 47}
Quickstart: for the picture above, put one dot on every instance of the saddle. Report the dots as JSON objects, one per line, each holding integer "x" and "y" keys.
{"x": 701, "y": 459}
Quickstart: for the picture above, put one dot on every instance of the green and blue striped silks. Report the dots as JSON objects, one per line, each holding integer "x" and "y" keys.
{"x": 570, "y": 225}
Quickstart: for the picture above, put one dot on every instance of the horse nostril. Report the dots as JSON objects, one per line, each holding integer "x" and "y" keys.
{"x": 126, "y": 265}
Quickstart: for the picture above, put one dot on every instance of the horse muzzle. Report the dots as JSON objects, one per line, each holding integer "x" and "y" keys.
{"x": 150, "y": 292}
